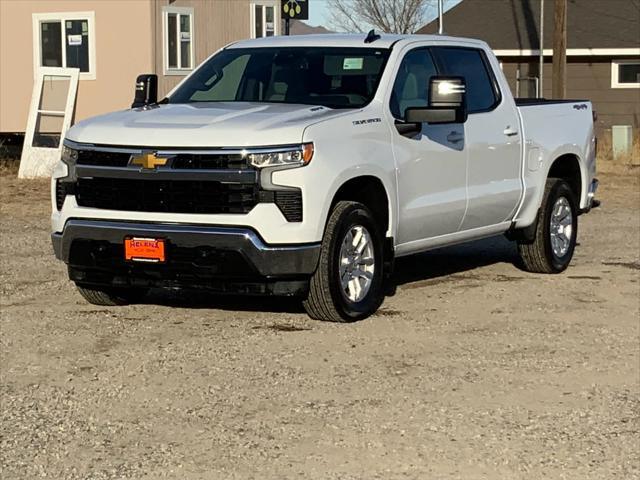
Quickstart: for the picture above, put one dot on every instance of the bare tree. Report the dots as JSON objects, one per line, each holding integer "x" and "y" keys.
{"x": 389, "y": 16}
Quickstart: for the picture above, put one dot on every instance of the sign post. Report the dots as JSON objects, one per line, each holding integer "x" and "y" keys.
{"x": 294, "y": 10}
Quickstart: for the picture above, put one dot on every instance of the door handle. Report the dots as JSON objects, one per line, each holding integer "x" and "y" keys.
{"x": 510, "y": 132}
{"x": 455, "y": 137}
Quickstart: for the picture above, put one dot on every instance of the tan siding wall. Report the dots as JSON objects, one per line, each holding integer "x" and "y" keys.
{"x": 123, "y": 48}
{"x": 591, "y": 80}
{"x": 216, "y": 23}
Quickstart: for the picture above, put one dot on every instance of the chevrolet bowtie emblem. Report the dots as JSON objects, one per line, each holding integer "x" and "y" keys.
{"x": 148, "y": 161}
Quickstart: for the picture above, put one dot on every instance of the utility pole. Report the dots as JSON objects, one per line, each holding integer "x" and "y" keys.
{"x": 440, "y": 21}
{"x": 541, "y": 58}
{"x": 560, "y": 49}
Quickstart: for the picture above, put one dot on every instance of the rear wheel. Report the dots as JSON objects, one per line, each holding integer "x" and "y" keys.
{"x": 348, "y": 283}
{"x": 552, "y": 248}
{"x": 111, "y": 296}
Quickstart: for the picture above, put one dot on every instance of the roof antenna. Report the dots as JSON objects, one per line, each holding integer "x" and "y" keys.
{"x": 372, "y": 36}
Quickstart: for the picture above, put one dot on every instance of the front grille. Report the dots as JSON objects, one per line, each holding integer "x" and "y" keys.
{"x": 176, "y": 196}
{"x": 169, "y": 196}
{"x": 103, "y": 159}
{"x": 290, "y": 204}
{"x": 181, "y": 160}
{"x": 211, "y": 162}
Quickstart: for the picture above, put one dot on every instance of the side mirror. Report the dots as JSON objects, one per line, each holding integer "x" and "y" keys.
{"x": 146, "y": 90}
{"x": 446, "y": 103}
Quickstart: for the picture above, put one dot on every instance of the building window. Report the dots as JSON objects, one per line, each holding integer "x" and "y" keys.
{"x": 177, "y": 28}
{"x": 625, "y": 74}
{"x": 65, "y": 40}
{"x": 264, "y": 19}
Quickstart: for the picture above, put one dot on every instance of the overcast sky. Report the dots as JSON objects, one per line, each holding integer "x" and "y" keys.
{"x": 319, "y": 15}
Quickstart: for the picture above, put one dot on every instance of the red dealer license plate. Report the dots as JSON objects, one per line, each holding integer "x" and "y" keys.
{"x": 138, "y": 249}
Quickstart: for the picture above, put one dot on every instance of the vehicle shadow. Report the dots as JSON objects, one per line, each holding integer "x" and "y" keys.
{"x": 203, "y": 299}
{"x": 412, "y": 269}
{"x": 455, "y": 259}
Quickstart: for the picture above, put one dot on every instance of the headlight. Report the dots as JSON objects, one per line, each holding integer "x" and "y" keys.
{"x": 69, "y": 155}
{"x": 296, "y": 157}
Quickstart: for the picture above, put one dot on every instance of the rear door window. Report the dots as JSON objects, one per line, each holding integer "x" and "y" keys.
{"x": 470, "y": 63}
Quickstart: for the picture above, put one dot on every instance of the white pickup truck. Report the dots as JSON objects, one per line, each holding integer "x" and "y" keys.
{"x": 303, "y": 166}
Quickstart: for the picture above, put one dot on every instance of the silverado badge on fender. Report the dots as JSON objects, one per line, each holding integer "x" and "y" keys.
{"x": 148, "y": 161}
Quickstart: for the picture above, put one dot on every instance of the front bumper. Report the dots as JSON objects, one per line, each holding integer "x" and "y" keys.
{"x": 227, "y": 259}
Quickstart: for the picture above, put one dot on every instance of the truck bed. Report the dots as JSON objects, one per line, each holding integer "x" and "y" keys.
{"x": 526, "y": 102}
{"x": 553, "y": 129}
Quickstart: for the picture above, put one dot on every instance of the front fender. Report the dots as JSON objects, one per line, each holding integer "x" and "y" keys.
{"x": 319, "y": 187}
{"x": 344, "y": 149}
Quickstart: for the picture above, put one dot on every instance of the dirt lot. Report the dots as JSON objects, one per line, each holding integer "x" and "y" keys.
{"x": 474, "y": 369}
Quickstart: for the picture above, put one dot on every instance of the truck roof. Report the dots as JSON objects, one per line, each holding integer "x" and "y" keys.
{"x": 343, "y": 40}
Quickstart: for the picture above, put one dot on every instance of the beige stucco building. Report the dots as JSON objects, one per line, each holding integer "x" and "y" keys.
{"x": 112, "y": 41}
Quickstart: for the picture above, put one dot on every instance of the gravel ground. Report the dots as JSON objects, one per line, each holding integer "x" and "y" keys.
{"x": 473, "y": 370}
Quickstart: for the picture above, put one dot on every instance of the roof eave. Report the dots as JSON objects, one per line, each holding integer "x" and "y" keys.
{"x": 581, "y": 52}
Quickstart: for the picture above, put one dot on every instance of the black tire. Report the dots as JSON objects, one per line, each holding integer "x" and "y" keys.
{"x": 538, "y": 255}
{"x": 110, "y": 297}
{"x": 326, "y": 300}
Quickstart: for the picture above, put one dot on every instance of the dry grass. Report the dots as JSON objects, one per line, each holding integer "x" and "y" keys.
{"x": 31, "y": 195}
{"x": 9, "y": 155}
{"x": 606, "y": 160}
{"x": 9, "y": 166}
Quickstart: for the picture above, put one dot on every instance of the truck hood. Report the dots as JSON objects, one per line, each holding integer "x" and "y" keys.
{"x": 210, "y": 124}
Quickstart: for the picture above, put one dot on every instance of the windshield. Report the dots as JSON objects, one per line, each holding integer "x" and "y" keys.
{"x": 333, "y": 77}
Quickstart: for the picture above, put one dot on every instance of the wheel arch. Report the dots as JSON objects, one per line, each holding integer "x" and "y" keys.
{"x": 370, "y": 191}
{"x": 565, "y": 163}
{"x": 569, "y": 168}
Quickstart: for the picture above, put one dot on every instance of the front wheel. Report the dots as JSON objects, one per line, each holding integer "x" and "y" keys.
{"x": 556, "y": 232}
{"x": 348, "y": 283}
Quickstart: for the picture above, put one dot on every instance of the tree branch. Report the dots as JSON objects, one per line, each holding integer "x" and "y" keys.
{"x": 388, "y": 16}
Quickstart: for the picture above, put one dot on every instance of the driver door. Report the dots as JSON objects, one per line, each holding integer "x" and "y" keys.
{"x": 432, "y": 165}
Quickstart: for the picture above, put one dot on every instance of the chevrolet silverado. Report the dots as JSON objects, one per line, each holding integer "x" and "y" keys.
{"x": 303, "y": 166}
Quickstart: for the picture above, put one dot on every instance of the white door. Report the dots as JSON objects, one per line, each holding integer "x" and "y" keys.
{"x": 492, "y": 136}
{"x": 431, "y": 167}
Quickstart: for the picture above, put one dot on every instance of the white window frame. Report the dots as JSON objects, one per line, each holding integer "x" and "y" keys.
{"x": 165, "y": 40}
{"x": 40, "y": 161}
{"x": 62, "y": 17}
{"x": 615, "y": 66}
{"x": 276, "y": 16}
